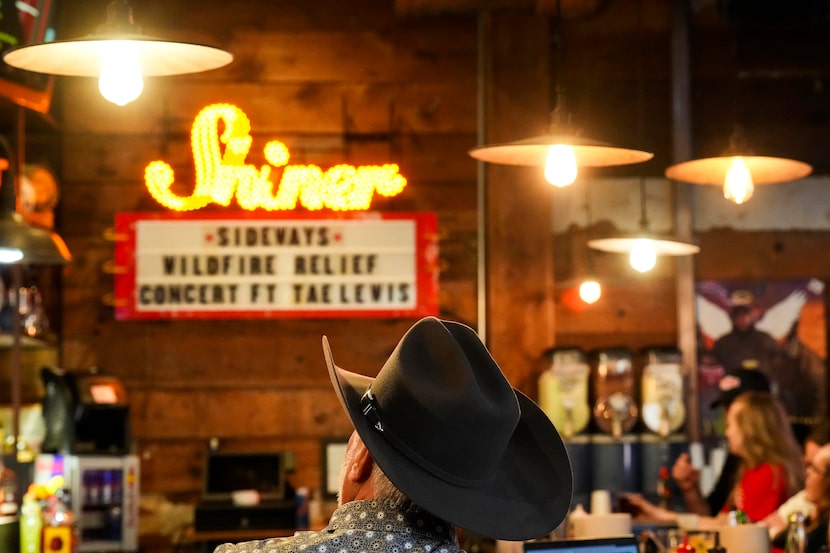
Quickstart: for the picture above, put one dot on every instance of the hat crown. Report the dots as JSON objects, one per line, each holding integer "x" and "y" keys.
{"x": 443, "y": 402}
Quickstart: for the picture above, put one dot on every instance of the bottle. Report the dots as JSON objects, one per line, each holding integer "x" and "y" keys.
{"x": 572, "y": 520}
{"x": 796, "y": 534}
{"x": 8, "y": 491}
{"x": 60, "y": 530}
{"x": 301, "y": 506}
{"x": 31, "y": 524}
{"x": 736, "y": 517}
{"x": 663, "y": 488}
{"x": 717, "y": 547}
{"x": 741, "y": 516}
{"x": 315, "y": 510}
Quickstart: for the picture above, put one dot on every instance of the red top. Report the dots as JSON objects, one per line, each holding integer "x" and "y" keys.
{"x": 760, "y": 491}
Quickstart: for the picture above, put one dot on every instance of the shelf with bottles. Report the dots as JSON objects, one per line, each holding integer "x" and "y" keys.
{"x": 33, "y": 320}
{"x": 34, "y": 293}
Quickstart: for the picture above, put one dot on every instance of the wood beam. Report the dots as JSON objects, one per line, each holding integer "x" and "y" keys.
{"x": 570, "y": 8}
{"x": 519, "y": 259}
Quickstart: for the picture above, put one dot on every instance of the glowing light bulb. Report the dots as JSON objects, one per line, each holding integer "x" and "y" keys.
{"x": 560, "y": 166}
{"x": 643, "y": 257}
{"x": 738, "y": 186}
{"x": 120, "y": 80}
{"x": 10, "y": 255}
{"x": 590, "y": 291}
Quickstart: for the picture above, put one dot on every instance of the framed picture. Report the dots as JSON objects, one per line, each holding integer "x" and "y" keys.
{"x": 777, "y": 327}
{"x": 26, "y": 22}
{"x": 334, "y": 453}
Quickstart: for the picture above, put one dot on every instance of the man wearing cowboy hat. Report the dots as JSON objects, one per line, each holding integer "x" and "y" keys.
{"x": 441, "y": 441}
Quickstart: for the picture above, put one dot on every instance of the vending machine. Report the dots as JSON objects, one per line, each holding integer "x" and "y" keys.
{"x": 103, "y": 494}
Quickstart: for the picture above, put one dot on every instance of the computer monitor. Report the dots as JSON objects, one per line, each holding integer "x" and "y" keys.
{"x": 229, "y": 471}
{"x": 622, "y": 544}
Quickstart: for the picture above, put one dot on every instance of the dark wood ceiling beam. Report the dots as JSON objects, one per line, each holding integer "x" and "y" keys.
{"x": 570, "y": 8}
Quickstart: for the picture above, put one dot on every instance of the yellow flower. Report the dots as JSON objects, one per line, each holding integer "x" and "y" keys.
{"x": 55, "y": 483}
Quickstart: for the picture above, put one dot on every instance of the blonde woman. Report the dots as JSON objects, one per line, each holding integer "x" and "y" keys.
{"x": 770, "y": 471}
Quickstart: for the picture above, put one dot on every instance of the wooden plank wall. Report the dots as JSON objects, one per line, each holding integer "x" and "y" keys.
{"x": 337, "y": 83}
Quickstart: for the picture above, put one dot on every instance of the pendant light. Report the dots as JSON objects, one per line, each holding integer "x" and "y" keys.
{"x": 119, "y": 55}
{"x": 643, "y": 248}
{"x": 738, "y": 170}
{"x": 563, "y": 151}
{"x": 20, "y": 242}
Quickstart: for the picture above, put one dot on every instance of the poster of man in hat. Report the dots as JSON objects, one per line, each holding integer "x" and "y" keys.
{"x": 776, "y": 327}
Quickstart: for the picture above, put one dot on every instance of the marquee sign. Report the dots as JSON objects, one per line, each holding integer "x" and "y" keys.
{"x": 214, "y": 265}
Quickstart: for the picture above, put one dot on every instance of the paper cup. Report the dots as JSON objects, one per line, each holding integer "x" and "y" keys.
{"x": 600, "y": 502}
{"x": 745, "y": 538}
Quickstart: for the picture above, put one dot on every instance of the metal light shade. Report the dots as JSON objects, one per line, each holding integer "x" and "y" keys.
{"x": 20, "y": 242}
{"x": 119, "y": 55}
{"x": 82, "y": 57}
{"x": 764, "y": 169}
{"x": 662, "y": 245}
{"x": 38, "y": 246}
{"x": 533, "y": 152}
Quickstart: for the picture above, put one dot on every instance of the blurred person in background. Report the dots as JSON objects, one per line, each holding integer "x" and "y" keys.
{"x": 817, "y": 492}
{"x": 818, "y": 436}
{"x": 770, "y": 467}
{"x": 687, "y": 476}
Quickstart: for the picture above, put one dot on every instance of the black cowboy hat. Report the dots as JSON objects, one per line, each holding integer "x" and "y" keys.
{"x": 449, "y": 431}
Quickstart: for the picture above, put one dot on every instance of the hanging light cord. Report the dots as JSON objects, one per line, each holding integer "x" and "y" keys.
{"x": 589, "y": 221}
{"x": 643, "y": 202}
{"x": 641, "y": 111}
{"x": 560, "y": 118}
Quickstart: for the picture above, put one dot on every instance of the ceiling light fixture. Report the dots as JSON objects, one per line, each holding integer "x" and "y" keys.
{"x": 21, "y": 243}
{"x": 644, "y": 247}
{"x": 562, "y": 152}
{"x": 119, "y": 55}
{"x": 738, "y": 170}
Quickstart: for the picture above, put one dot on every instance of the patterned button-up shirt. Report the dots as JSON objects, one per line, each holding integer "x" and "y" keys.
{"x": 372, "y": 526}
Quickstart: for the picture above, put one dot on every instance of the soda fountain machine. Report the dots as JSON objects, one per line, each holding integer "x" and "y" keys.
{"x": 87, "y": 441}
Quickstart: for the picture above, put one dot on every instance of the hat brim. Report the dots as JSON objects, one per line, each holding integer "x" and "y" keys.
{"x": 528, "y": 498}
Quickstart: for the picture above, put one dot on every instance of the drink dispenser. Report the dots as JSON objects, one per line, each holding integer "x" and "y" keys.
{"x": 563, "y": 390}
{"x": 563, "y": 396}
{"x": 615, "y": 409}
{"x": 663, "y": 411}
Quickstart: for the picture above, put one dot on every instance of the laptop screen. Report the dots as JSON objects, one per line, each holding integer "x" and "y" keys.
{"x": 623, "y": 544}
{"x": 227, "y": 471}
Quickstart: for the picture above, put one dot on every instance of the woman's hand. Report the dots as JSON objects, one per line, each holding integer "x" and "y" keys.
{"x": 686, "y": 476}
{"x": 648, "y": 510}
